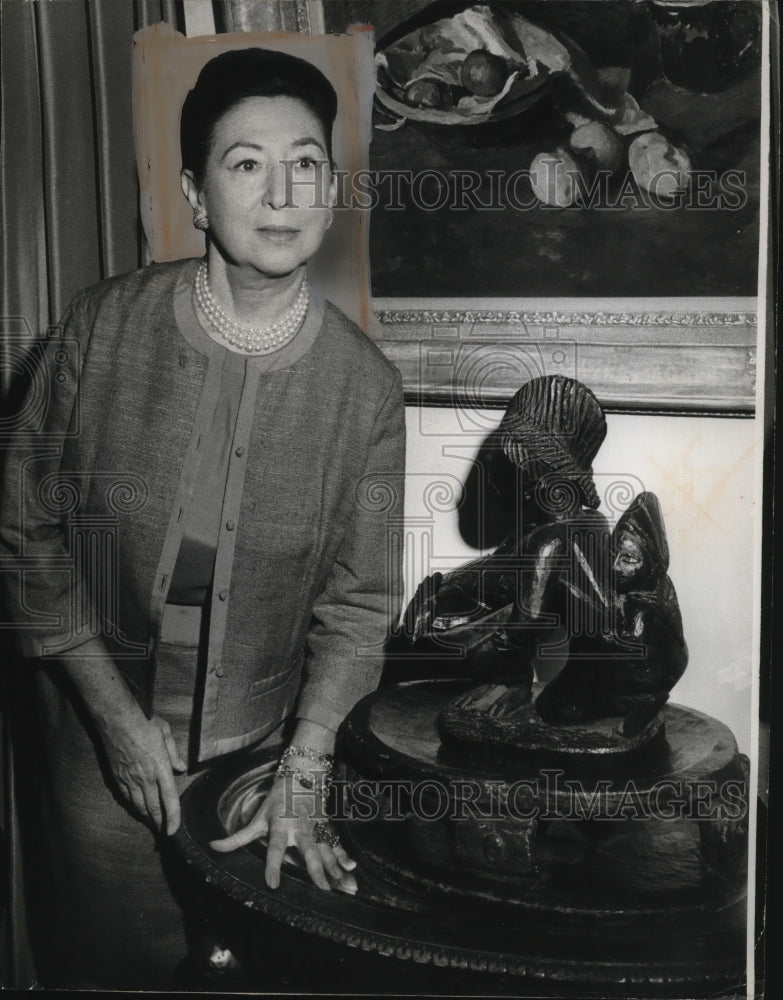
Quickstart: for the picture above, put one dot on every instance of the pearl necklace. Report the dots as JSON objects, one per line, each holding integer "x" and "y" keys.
{"x": 242, "y": 335}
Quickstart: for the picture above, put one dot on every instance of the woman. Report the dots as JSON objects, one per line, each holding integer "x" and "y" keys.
{"x": 223, "y": 578}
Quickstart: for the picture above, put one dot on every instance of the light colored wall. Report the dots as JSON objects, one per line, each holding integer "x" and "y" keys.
{"x": 702, "y": 471}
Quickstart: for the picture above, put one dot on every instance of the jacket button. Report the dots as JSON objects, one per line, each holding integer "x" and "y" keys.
{"x": 218, "y": 671}
{"x": 230, "y": 526}
{"x": 223, "y": 595}
{"x": 240, "y": 451}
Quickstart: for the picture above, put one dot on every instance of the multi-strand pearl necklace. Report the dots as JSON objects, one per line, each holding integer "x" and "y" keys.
{"x": 242, "y": 335}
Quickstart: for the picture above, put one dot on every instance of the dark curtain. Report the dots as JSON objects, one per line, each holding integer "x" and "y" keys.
{"x": 69, "y": 194}
{"x": 68, "y": 218}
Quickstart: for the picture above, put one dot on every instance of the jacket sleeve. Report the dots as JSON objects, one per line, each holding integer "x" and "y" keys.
{"x": 45, "y": 602}
{"x": 363, "y": 594}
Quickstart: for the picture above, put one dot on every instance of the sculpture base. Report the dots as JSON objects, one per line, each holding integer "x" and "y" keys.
{"x": 653, "y": 834}
{"x": 472, "y": 719}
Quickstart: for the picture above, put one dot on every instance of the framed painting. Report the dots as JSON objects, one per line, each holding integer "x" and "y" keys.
{"x": 594, "y": 212}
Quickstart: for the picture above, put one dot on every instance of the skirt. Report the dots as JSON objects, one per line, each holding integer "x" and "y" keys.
{"x": 112, "y": 900}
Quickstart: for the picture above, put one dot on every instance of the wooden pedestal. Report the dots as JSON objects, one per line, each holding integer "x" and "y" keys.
{"x": 601, "y": 903}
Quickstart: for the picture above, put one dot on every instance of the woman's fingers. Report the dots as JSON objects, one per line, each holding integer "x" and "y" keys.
{"x": 142, "y": 754}
{"x": 313, "y": 861}
{"x": 257, "y": 827}
{"x": 345, "y": 883}
{"x": 170, "y": 744}
{"x": 154, "y": 795}
{"x": 140, "y": 793}
{"x": 345, "y": 861}
{"x": 135, "y": 795}
{"x": 329, "y": 861}
{"x": 246, "y": 835}
{"x": 169, "y": 796}
{"x": 175, "y": 757}
{"x": 144, "y": 796}
{"x": 152, "y": 804}
{"x": 275, "y": 852}
{"x": 338, "y": 865}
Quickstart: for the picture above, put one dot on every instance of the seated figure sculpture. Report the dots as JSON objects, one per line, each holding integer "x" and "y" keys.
{"x": 628, "y": 670}
{"x": 559, "y": 587}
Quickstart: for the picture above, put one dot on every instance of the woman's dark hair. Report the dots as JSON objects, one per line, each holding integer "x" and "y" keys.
{"x": 230, "y": 78}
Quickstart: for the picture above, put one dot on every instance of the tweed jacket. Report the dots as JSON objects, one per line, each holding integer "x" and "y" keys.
{"x": 307, "y": 575}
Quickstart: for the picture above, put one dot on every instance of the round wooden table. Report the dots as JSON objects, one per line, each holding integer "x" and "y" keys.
{"x": 638, "y": 911}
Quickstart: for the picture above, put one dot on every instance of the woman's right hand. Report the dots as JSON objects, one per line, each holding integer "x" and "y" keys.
{"x": 142, "y": 754}
{"x": 143, "y": 757}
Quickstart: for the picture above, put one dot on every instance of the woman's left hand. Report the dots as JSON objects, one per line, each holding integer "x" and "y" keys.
{"x": 290, "y": 817}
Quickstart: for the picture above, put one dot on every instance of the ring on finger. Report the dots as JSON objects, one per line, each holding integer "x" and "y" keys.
{"x": 323, "y": 834}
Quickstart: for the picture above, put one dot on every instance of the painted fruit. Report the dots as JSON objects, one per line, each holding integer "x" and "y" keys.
{"x": 598, "y": 144}
{"x": 429, "y": 94}
{"x": 429, "y": 37}
{"x": 483, "y": 73}
{"x": 658, "y": 167}
{"x": 555, "y": 178}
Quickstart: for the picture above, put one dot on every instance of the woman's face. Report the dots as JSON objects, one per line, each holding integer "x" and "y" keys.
{"x": 268, "y": 186}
